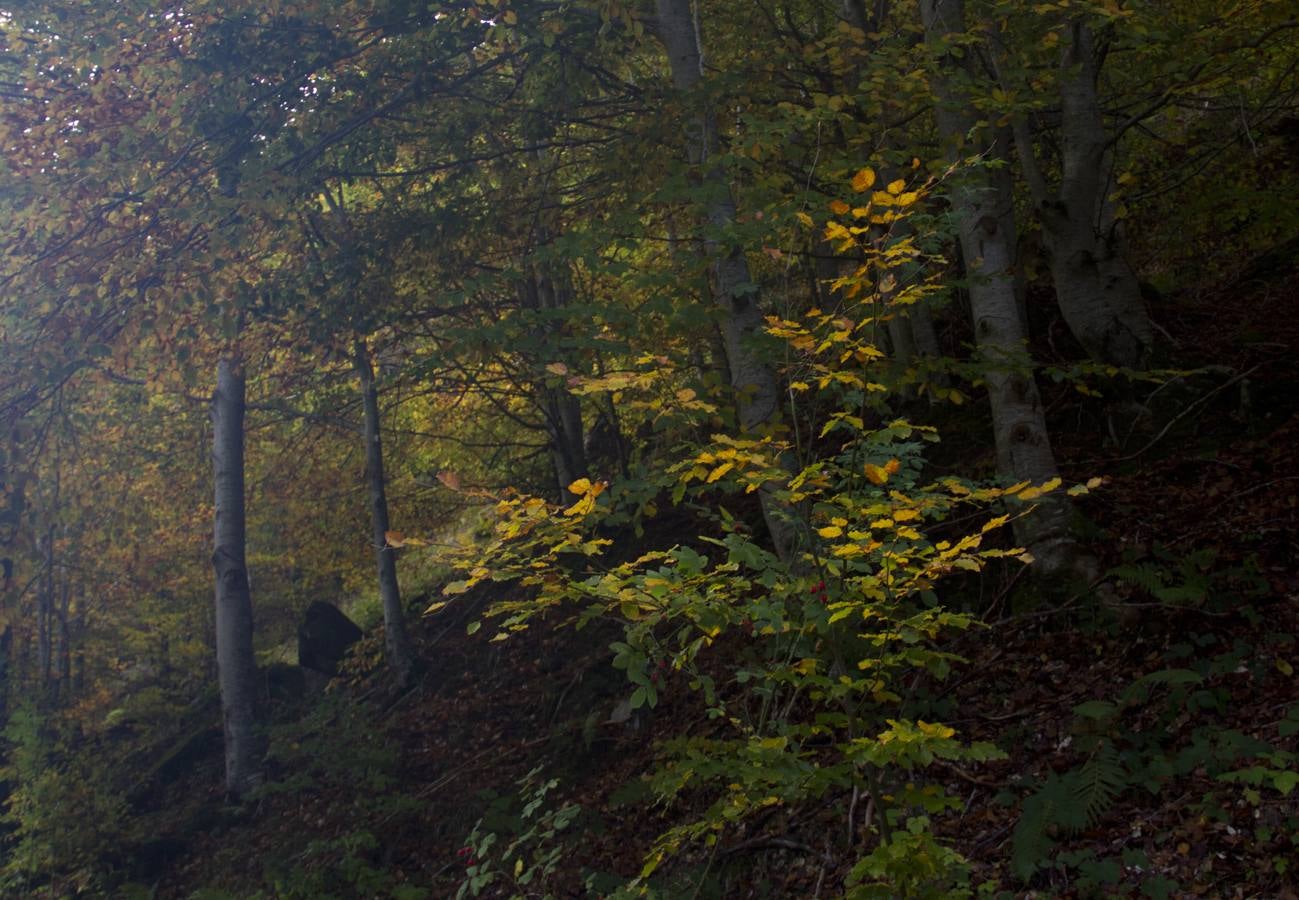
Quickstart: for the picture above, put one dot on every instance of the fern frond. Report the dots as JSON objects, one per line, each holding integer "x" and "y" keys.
{"x": 1147, "y": 576}
{"x": 1070, "y": 802}
{"x": 1097, "y": 784}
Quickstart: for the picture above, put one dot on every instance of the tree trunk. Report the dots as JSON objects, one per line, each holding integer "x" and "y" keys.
{"x": 6, "y": 655}
{"x": 757, "y": 392}
{"x": 564, "y": 409}
{"x": 45, "y": 615}
{"x": 63, "y": 687}
{"x": 396, "y": 642}
{"x": 236, "y": 666}
{"x": 1096, "y": 289}
{"x": 1019, "y": 424}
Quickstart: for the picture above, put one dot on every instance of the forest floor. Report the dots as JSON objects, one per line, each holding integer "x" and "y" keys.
{"x": 1197, "y": 517}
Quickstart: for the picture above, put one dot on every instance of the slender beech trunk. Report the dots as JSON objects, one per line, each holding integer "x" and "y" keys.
{"x": 1019, "y": 424}
{"x": 63, "y": 687}
{"x": 1096, "y": 289}
{"x": 400, "y": 655}
{"x": 757, "y": 391}
{"x": 236, "y": 666}
{"x": 49, "y": 584}
{"x": 45, "y": 615}
{"x": 6, "y": 656}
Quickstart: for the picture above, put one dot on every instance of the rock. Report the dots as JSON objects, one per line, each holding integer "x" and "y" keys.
{"x": 324, "y": 637}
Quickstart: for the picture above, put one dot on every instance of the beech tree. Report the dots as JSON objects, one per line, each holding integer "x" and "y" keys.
{"x": 756, "y": 389}
{"x": 400, "y": 655}
{"x": 236, "y": 665}
{"x": 1018, "y": 420}
{"x": 1096, "y": 288}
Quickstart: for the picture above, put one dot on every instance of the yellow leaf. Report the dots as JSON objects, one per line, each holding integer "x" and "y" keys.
{"x": 834, "y": 232}
{"x": 1284, "y": 668}
{"x": 863, "y": 180}
{"x": 719, "y": 472}
{"x": 557, "y": 368}
{"x": 908, "y": 198}
{"x": 804, "y": 218}
{"x": 839, "y": 208}
{"x": 994, "y": 522}
{"x": 937, "y": 730}
{"x": 830, "y": 531}
{"x": 876, "y": 474}
{"x": 436, "y": 606}
{"x": 897, "y": 187}
{"x": 511, "y": 18}
{"x": 685, "y": 395}
{"x": 892, "y": 467}
{"x": 581, "y": 486}
{"x": 1033, "y": 493}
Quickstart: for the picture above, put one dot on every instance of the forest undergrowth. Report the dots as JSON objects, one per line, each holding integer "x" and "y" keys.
{"x": 1185, "y": 691}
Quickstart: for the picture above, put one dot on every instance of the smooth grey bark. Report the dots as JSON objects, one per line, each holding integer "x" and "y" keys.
{"x": 6, "y": 661}
{"x": 49, "y": 582}
{"x": 236, "y": 665}
{"x": 1097, "y": 291}
{"x": 401, "y": 656}
{"x": 45, "y": 610}
{"x": 64, "y": 684}
{"x": 1003, "y": 180}
{"x": 1019, "y": 423}
{"x": 757, "y": 391}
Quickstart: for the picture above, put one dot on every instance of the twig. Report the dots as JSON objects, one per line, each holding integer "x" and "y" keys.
{"x": 826, "y": 859}
{"x": 972, "y": 779}
{"x": 763, "y": 841}
{"x": 1186, "y": 412}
